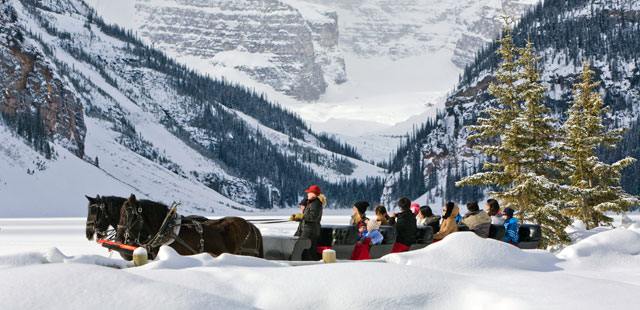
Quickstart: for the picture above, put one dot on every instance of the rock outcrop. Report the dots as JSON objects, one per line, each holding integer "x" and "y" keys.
{"x": 33, "y": 99}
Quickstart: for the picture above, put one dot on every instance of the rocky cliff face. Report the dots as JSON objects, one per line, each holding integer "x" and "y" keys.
{"x": 406, "y": 28}
{"x": 267, "y": 39}
{"x": 297, "y": 46}
{"x": 34, "y": 100}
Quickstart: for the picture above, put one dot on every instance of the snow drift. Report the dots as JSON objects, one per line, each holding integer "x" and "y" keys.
{"x": 462, "y": 271}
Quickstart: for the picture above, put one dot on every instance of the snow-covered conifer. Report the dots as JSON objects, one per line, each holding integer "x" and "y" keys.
{"x": 594, "y": 186}
{"x": 523, "y": 164}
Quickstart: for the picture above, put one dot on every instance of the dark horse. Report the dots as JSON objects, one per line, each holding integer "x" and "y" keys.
{"x": 103, "y": 212}
{"x": 140, "y": 221}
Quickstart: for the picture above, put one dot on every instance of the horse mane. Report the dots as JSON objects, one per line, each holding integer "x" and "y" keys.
{"x": 113, "y": 204}
{"x": 156, "y": 207}
{"x": 153, "y": 212}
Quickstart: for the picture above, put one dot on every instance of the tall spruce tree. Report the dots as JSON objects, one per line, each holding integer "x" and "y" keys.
{"x": 522, "y": 163}
{"x": 594, "y": 186}
{"x": 532, "y": 136}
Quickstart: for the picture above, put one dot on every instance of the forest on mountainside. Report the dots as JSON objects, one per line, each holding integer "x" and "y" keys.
{"x": 279, "y": 174}
{"x": 564, "y": 32}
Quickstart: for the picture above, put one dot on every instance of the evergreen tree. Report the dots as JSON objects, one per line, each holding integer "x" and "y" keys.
{"x": 522, "y": 155}
{"x": 594, "y": 185}
{"x": 530, "y": 139}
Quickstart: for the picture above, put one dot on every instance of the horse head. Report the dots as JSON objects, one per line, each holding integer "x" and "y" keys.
{"x": 97, "y": 218}
{"x": 130, "y": 216}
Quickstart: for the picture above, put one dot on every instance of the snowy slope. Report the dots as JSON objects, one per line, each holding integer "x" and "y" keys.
{"x": 131, "y": 114}
{"x": 33, "y": 186}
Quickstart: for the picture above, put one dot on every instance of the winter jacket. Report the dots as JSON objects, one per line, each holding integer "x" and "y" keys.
{"x": 479, "y": 222}
{"x": 448, "y": 225}
{"x": 357, "y": 218}
{"x": 375, "y": 236}
{"x": 428, "y": 220}
{"x": 309, "y": 227}
{"x": 405, "y": 223}
{"x": 458, "y": 218}
{"x": 511, "y": 234}
{"x": 433, "y": 221}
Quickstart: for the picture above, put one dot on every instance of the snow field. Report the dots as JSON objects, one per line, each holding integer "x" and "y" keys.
{"x": 463, "y": 271}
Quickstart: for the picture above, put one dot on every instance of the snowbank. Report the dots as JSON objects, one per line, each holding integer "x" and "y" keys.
{"x": 54, "y": 256}
{"x": 168, "y": 258}
{"x": 466, "y": 252}
{"x": 80, "y": 286}
{"x": 612, "y": 246}
{"x": 462, "y": 271}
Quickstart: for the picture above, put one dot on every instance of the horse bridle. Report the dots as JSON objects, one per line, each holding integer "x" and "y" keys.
{"x": 130, "y": 222}
{"x": 93, "y": 217}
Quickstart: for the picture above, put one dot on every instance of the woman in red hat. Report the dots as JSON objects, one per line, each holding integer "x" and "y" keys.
{"x": 310, "y": 218}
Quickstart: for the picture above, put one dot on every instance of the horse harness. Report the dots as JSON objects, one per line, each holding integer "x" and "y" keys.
{"x": 170, "y": 229}
{"x": 194, "y": 223}
{"x": 253, "y": 251}
{"x": 93, "y": 221}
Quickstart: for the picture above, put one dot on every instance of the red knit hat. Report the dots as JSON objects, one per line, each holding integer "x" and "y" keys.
{"x": 314, "y": 189}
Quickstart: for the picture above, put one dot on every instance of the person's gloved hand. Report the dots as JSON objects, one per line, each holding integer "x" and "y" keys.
{"x": 296, "y": 217}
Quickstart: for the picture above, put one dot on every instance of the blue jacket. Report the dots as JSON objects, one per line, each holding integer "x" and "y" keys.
{"x": 458, "y": 218}
{"x": 375, "y": 236}
{"x": 511, "y": 234}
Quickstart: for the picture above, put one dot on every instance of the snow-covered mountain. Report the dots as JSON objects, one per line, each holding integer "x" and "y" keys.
{"x": 364, "y": 60}
{"x": 104, "y": 114}
{"x": 564, "y": 33}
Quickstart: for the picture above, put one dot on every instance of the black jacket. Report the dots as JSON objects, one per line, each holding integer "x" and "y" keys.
{"x": 309, "y": 227}
{"x": 406, "y": 227}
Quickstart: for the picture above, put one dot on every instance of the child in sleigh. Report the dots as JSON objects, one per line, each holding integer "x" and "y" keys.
{"x": 368, "y": 235}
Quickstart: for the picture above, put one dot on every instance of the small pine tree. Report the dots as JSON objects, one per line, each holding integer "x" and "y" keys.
{"x": 594, "y": 186}
{"x": 97, "y": 162}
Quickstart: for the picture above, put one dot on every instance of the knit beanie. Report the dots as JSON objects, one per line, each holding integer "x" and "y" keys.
{"x": 361, "y": 206}
{"x": 508, "y": 212}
